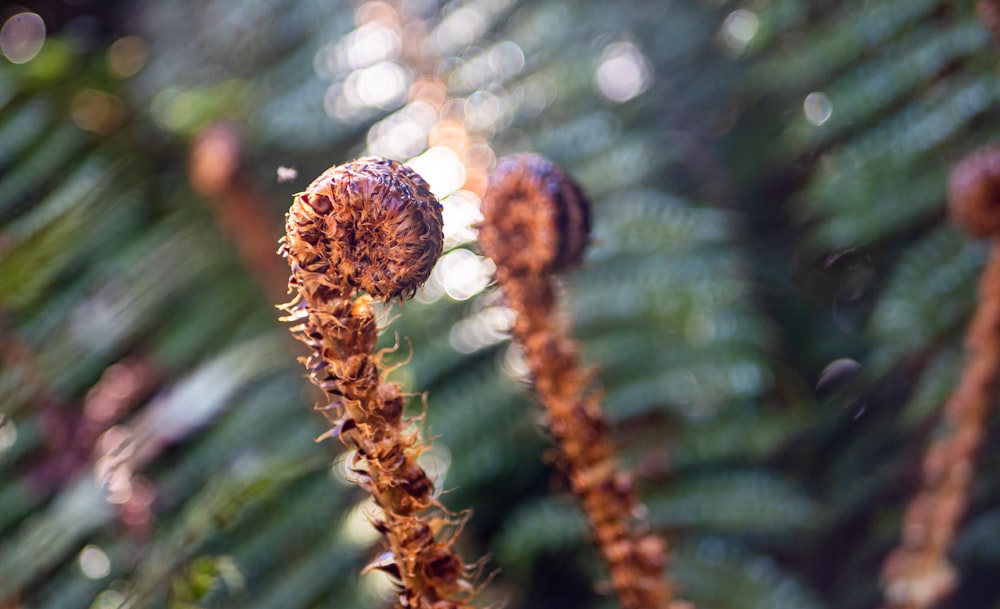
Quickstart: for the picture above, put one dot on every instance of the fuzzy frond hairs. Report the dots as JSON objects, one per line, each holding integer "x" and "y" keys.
{"x": 536, "y": 221}
{"x": 370, "y": 230}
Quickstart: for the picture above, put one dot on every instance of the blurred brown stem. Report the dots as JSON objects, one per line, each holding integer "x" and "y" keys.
{"x": 536, "y": 221}
{"x": 917, "y": 574}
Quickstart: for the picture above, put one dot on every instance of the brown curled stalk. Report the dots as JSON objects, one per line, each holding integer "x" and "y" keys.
{"x": 917, "y": 574}
{"x": 365, "y": 231}
{"x": 536, "y": 222}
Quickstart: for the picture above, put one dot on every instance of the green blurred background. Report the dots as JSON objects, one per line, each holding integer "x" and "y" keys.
{"x": 773, "y": 295}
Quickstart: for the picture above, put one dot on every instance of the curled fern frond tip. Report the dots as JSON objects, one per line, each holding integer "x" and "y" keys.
{"x": 372, "y": 229}
{"x": 974, "y": 192}
{"x": 536, "y": 219}
{"x": 371, "y": 224}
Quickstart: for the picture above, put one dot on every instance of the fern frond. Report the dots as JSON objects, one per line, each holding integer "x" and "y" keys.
{"x": 753, "y": 503}
{"x": 753, "y": 581}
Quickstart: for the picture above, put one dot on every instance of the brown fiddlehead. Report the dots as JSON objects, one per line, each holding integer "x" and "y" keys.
{"x": 536, "y": 221}
{"x": 368, "y": 231}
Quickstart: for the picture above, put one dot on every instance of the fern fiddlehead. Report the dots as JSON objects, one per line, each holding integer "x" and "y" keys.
{"x": 365, "y": 231}
{"x": 536, "y": 221}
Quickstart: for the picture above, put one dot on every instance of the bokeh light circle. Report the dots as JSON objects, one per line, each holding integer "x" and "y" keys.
{"x": 22, "y": 37}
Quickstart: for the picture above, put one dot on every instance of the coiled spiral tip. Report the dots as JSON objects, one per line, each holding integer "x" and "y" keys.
{"x": 974, "y": 192}
{"x": 371, "y": 224}
{"x": 536, "y": 219}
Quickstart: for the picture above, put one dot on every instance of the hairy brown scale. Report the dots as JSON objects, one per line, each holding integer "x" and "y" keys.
{"x": 536, "y": 221}
{"x": 371, "y": 229}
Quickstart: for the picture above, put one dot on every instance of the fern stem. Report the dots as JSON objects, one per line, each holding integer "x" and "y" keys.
{"x": 917, "y": 574}
{"x": 536, "y": 222}
{"x": 363, "y": 231}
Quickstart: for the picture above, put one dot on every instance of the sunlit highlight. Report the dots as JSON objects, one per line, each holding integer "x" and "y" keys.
{"x": 493, "y": 66}
{"x": 22, "y": 37}
{"x": 484, "y": 329}
{"x": 370, "y": 44}
{"x": 463, "y": 274}
{"x": 483, "y": 111}
{"x": 376, "y": 588}
{"x": 170, "y": 109}
{"x": 461, "y": 214}
{"x": 286, "y": 174}
{"x": 357, "y": 528}
{"x": 514, "y": 365}
{"x": 109, "y": 599}
{"x": 436, "y": 461}
{"x": 363, "y": 66}
{"x": 532, "y": 95}
{"x": 623, "y": 73}
{"x": 94, "y": 562}
{"x": 442, "y": 169}
{"x": 126, "y": 56}
{"x": 738, "y": 30}
{"x": 459, "y": 29}
{"x": 403, "y": 134}
{"x": 817, "y": 107}
{"x": 96, "y": 111}
{"x": 339, "y": 470}
{"x": 379, "y": 86}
